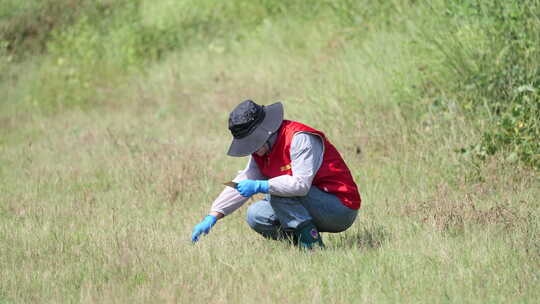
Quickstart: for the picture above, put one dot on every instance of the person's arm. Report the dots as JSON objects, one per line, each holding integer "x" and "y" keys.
{"x": 227, "y": 202}
{"x": 307, "y": 151}
{"x": 216, "y": 214}
{"x": 230, "y": 199}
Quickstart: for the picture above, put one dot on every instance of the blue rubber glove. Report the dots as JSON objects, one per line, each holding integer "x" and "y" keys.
{"x": 248, "y": 187}
{"x": 203, "y": 227}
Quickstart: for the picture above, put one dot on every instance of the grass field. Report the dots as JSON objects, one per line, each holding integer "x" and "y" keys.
{"x": 113, "y": 133}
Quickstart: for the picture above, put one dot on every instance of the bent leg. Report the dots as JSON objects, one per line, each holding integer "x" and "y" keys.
{"x": 293, "y": 215}
{"x": 262, "y": 218}
{"x": 325, "y": 210}
{"x": 329, "y": 214}
{"x": 290, "y": 211}
{"x": 286, "y": 217}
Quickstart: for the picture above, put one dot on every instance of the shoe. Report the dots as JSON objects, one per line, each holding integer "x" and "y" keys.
{"x": 308, "y": 236}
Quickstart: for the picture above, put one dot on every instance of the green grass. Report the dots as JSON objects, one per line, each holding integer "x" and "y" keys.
{"x": 113, "y": 141}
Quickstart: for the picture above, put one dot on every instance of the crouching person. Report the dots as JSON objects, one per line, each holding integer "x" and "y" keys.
{"x": 309, "y": 188}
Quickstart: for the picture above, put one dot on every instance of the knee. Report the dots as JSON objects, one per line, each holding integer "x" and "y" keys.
{"x": 251, "y": 216}
{"x": 256, "y": 215}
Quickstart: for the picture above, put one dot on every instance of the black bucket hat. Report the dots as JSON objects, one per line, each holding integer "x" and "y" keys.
{"x": 251, "y": 125}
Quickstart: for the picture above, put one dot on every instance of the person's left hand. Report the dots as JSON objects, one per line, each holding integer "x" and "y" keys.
{"x": 203, "y": 227}
{"x": 249, "y": 187}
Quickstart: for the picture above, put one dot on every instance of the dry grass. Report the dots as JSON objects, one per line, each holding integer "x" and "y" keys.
{"x": 100, "y": 208}
{"x": 97, "y": 205}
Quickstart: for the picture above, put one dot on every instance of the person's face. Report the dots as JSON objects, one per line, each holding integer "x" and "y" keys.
{"x": 262, "y": 150}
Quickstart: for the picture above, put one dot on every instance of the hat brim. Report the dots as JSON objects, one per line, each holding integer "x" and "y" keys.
{"x": 251, "y": 143}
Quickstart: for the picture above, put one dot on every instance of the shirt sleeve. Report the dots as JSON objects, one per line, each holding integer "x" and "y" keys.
{"x": 230, "y": 199}
{"x": 307, "y": 151}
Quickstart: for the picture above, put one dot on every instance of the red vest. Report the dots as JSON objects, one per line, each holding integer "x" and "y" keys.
{"x": 333, "y": 175}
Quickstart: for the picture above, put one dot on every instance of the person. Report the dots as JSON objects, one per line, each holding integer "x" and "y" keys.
{"x": 308, "y": 187}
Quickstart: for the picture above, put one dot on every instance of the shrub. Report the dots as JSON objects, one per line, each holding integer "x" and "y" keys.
{"x": 25, "y": 26}
{"x": 492, "y": 49}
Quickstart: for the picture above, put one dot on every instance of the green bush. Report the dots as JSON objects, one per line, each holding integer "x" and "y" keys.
{"x": 107, "y": 41}
{"x": 492, "y": 48}
{"x": 486, "y": 60}
{"x": 25, "y": 26}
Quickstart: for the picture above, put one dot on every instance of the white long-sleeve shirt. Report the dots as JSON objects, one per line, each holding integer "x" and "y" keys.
{"x": 306, "y": 158}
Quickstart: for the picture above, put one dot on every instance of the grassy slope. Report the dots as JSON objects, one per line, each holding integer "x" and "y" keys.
{"x": 98, "y": 204}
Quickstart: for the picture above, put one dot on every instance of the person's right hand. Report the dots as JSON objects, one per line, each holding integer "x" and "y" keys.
{"x": 203, "y": 227}
{"x": 249, "y": 187}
